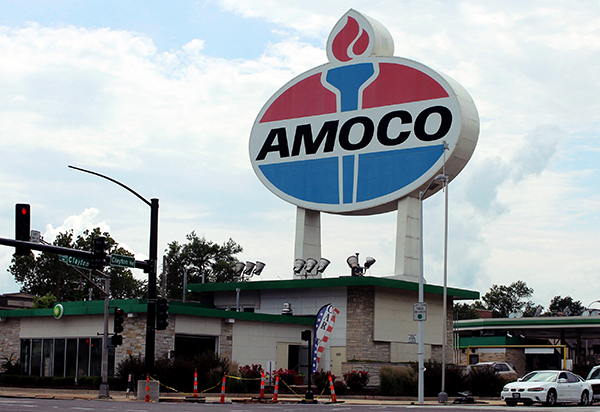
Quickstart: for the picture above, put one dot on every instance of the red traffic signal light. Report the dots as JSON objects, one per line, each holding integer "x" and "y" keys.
{"x": 22, "y": 226}
{"x": 119, "y": 320}
{"x": 162, "y": 314}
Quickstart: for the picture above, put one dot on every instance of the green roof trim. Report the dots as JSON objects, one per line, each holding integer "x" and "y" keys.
{"x": 527, "y": 322}
{"x": 332, "y": 283}
{"x": 96, "y": 307}
{"x": 492, "y": 341}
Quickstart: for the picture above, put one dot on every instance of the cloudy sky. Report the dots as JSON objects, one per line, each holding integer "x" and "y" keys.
{"x": 162, "y": 97}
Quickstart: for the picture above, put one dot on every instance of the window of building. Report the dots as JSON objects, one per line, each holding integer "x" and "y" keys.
{"x": 64, "y": 357}
{"x": 189, "y": 346}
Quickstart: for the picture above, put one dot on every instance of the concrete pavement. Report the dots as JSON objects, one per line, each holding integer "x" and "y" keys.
{"x": 82, "y": 394}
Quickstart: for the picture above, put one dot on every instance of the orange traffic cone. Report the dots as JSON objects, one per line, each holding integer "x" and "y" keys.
{"x": 332, "y": 389}
{"x": 196, "y": 383}
{"x": 147, "y": 387}
{"x": 223, "y": 390}
{"x": 276, "y": 390}
{"x": 262, "y": 385}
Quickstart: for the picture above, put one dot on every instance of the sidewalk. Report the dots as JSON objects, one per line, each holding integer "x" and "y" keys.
{"x": 81, "y": 394}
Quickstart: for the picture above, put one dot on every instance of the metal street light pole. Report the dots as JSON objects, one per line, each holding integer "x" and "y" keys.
{"x": 151, "y": 270}
{"x": 443, "y": 396}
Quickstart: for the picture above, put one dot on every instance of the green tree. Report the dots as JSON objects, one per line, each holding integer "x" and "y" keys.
{"x": 465, "y": 311}
{"x": 200, "y": 257}
{"x": 565, "y": 306}
{"x": 44, "y": 302}
{"x": 44, "y": 273}
{"x": 503, "y": 300}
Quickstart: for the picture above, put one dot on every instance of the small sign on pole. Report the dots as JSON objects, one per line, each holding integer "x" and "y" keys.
{"x": 420, "y": 311}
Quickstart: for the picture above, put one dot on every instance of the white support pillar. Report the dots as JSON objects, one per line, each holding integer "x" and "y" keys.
{"x": 308, "y": 236}
{"x": 408, "y": 240}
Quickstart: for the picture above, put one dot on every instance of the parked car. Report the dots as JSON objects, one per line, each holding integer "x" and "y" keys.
{"x": 594, "y": 379}
{"x": 549, "y": 388}
{"x": 505, "y": 369}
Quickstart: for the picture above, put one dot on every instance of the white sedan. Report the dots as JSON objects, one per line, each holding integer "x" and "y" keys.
{"x": 549, "y": 388}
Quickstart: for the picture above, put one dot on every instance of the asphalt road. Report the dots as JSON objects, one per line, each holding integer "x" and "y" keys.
{"x": 51, "y": 405}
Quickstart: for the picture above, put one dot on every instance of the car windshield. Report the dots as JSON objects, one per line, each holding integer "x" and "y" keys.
{"x": 595, "y": 374}
{"x": 540, "y": 377}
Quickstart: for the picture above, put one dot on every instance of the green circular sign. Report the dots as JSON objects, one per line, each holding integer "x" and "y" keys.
{"x": 58, "y": 311}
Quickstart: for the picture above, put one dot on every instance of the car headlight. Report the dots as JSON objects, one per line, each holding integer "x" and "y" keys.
{"x": 505, "y": 389}
{"x": 535, "y": 389}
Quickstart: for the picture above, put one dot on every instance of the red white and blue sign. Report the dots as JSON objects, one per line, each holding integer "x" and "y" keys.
{"x": 323, "y": 328}
{"x": 356, "y": 134}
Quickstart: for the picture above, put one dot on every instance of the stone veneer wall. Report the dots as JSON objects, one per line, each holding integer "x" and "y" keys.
{"x": 359, "y": 327}
{"x": 226, "y": 340}
{"x": 134, "y": 339}
{"x": 9, "y": 339}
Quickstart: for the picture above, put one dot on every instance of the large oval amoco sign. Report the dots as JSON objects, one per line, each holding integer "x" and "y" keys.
{"x": 356, "y": 134}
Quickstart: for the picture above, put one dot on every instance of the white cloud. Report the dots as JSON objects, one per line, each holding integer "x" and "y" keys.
{"x": 175, "y": 125}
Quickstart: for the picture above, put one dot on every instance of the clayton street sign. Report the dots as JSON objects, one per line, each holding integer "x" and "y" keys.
{"x": 75, "y": 261}
{"x": 123, "y": 261}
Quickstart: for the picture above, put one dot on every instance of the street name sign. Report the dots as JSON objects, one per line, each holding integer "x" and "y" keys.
{"x": 75, "y": 261}
{"x": 123, "y": 261}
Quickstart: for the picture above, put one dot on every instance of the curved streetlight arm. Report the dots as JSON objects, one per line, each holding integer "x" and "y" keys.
{"x": 114, "y": 181}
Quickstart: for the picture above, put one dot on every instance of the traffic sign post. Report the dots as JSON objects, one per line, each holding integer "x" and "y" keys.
{"x": 420, "y": 311}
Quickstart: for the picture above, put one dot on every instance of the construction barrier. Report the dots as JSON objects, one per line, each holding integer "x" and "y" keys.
{"x": 147, "y": 387}
{"x": 196, "y": 383}
{"x": 276, "y": 390}
{"x": 332, "y": 389}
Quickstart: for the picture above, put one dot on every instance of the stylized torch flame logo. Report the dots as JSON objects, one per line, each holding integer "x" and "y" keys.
{"x": 356, "y": 35}
{"x": 352, "y": 41}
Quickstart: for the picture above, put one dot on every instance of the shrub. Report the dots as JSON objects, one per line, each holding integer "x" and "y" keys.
{"x": 356, "y": 380}
{"x": 340, "y": 387}
{"x": 456, "y": 380}
{"x": 485, "y": 382}
{"x": 398, "y": 381}
{"x": 253, "y": 373}
{"x": 11, "y": 367}
{"x": 129, "y": 365}
{"x": 321, "y": 379}
{"x": 63, "y": 382}
{"x": 86, "y": 382}
{"x": 287, "y": 375}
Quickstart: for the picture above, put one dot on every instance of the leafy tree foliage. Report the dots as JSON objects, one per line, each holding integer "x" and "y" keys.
{"x": 199, "y": 256}
{"x": 503, "y": 300}
{"x": 44, "y": 302}
{"x": 465, "y": 311}
{"x": 44, "y": 273}
{"x": 565, "y": 306}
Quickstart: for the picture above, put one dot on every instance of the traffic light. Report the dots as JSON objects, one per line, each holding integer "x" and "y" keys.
{"x": 162, "y": 314}
{"x": 119, "y": 320}
{"x": 116, "y": 340}
{"x": 22, "y": 227}
{"x": 98, "y": 252}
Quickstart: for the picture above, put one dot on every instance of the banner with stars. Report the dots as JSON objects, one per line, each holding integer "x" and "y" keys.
{"x": 323, "y": 327}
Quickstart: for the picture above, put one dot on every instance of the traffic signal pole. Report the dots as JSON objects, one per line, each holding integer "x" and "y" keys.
{"x": 150, "y": 269}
